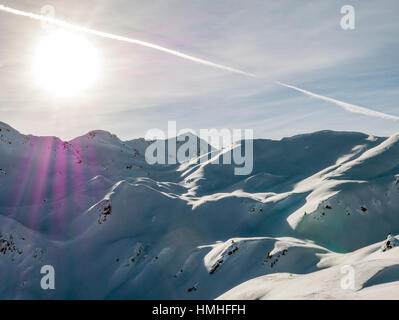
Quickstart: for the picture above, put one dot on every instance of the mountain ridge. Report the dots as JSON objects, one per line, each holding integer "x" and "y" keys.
{"x": 193, "y": 230}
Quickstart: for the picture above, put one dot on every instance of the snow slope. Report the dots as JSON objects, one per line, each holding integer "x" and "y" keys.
{"x": 376, "y": 276}
{"x": 114, "y": 226}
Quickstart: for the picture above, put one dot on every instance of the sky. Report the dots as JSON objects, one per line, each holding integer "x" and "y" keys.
{"x": 296, "y": 42}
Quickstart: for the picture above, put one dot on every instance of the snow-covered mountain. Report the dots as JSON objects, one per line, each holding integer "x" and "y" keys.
{"x": 114, "y": 226}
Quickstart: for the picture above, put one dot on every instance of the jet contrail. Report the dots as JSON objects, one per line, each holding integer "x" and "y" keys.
{"x": 347, "y": 106}
{"x": 67, "y": 25}
{"x": 70, "y": 26}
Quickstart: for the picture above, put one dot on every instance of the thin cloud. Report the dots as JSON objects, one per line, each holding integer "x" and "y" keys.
{"x": 347, "y": 106}
{"x": 70, "y": 26}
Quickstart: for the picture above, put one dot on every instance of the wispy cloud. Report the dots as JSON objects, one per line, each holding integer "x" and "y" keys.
{"x": 347, "y": 106}
{"x": 73, "y": 27}
{"x": 275, "y": 40}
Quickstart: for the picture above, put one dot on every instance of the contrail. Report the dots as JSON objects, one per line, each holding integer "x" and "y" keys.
{"x": 347, "y": 106}
{"x": 70, "y": 26}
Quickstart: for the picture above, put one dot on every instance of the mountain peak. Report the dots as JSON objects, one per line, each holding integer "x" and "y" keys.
{"x": 7, "y": 128}
{"x": 101, "y": 136}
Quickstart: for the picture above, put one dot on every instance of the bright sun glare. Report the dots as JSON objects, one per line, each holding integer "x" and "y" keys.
{"x": 65, "y": 64}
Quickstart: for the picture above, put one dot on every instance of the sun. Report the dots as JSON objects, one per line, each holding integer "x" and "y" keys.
{"x": 65, "y": 64}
